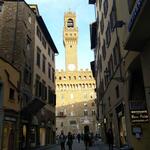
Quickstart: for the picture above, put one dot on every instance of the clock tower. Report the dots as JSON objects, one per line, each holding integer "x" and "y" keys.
{"x": 70, "y": 40}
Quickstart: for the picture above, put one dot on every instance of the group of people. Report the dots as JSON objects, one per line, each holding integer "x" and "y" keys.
{"x": 87, "y": 138}
{"x": 63, "y": 138}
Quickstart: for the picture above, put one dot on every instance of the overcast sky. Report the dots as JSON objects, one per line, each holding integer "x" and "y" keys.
{"x": 52, "y": 12}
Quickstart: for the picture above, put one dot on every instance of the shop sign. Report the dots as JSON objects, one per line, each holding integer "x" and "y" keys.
{"x": 139, "y": 116}
{"x": 135, "y": 13}
{"x": 10, "y": 119}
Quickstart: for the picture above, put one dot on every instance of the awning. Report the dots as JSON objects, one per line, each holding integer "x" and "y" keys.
{"x": 33, "y": 107}
{"x": 93, "y": 34}
{"x": 138, "y": 26}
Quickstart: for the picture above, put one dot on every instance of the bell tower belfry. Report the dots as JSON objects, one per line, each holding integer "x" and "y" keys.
{"x": 70, "y": 39}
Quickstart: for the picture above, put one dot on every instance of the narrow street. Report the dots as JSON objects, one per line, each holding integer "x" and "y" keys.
{"x": 80, "y": 146}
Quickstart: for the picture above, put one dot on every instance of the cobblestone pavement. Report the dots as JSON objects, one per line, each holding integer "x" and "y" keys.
{"x": 80, "y": 146}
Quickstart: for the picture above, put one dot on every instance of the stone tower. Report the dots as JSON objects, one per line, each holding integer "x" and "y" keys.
{"x": 70, "y": 41}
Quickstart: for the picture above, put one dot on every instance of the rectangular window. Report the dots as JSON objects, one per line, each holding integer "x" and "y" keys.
{"x": 43, "y": 63}
{"x": 100, "y": 63}
{"x": 53, "y": 74}
{"x": 11, "y": 94}
{"x": 85, "y": 113}
{"x": 27, "y": 74}
{"x": 49, "y": 51}
{"x": 38, "y": 57}
{"x": 117, "y": 91}
{"x": 116, "y": 54}
{"x": 110, "y": 67}
{"x": 1, "y": 5}
{"x": 102, "y": 24}
{"x": 105, "y": 5}
{"x": 38, "y": 32}
{"x": 28, "y": 45}
{"x": 53, "y": 56}
{"x": 104, "y": 50}
{"x": 44, "y": 42}
{"x": 38, "y": 86}
{"x": 49, "y": 71}
{"x": 44, "y": 90}
{"x": 108, "y": 35}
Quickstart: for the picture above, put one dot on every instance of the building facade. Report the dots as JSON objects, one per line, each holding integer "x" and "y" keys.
{"x": 9, "y": 105}
{"x": 75, "y": 89}
{"x": 121, "y": 70}
{"x": 27, "y": 45}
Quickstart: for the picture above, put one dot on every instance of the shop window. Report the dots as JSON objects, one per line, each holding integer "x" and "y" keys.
{"x": 11, "y": 94}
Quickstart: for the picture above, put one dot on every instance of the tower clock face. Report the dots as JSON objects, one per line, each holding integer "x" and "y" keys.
{"x": 71, "y": 67}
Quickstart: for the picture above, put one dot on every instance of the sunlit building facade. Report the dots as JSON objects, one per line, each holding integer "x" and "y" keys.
{"x": 75, "y": 89}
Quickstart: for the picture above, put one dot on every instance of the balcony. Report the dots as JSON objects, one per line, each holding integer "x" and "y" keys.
{"x": 93, "y": 34}
{"x": 138, "y": 26}
{"x": 92, "y": 1}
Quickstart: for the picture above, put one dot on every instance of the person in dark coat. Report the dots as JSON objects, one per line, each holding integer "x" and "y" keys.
{"x": 69, "y": 141}
{"x": 62, "y": 140}
{"x": 86, "y": 140}
{"x": 110, "y": 138}
{"x": 78, "y": 137}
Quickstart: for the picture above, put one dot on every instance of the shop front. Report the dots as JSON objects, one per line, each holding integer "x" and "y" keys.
{"x": 121, "y": 125}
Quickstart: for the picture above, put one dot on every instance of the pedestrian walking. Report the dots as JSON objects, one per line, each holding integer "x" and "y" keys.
{"x": 62, "y": 139}
{"x": 86, "y": 140}
{"x": 110, "y": 138}
{"x": 78, "y": 137}
{"x": 69, "y": 141}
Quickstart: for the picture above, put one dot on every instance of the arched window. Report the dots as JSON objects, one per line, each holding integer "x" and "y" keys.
{"x": 70, "y": 23}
